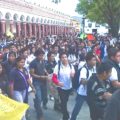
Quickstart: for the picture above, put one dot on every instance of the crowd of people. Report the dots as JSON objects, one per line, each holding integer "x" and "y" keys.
{"x": 90, "y": 69}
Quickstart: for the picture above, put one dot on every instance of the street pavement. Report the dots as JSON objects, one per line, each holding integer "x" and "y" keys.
{"x": 50, "y": 114}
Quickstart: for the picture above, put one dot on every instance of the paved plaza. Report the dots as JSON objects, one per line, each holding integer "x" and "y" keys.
{"x": 50, "y": 114}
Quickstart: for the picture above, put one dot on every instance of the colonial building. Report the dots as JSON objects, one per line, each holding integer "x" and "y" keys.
{"x": 29, "y": 18}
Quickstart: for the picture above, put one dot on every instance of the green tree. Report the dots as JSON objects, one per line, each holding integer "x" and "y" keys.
{"x": 102, "y": 11}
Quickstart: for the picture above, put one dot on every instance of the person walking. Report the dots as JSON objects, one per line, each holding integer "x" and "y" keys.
{"x": 39, "y": 74}
{"x": 62, "y": 77}
{"x": 99, "y": 91}
{"x": 85, "y": 73}
{"x": 19, "y": 81}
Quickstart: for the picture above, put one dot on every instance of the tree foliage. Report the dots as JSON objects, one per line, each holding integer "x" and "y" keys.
{"x": 102, "y": 11}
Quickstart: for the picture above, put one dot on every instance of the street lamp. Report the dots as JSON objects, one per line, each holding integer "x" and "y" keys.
{"x": 83, "y": 23}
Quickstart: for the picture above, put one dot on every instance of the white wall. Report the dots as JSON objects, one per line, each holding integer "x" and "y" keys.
{"x": 100, "y": 29}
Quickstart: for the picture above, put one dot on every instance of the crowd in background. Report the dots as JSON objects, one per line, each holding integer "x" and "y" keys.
{"x": 60, "y": 66}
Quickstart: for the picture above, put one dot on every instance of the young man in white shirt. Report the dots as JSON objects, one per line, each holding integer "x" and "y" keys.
{"x": 62, "y": 77}
{"x": 85, "y": 73}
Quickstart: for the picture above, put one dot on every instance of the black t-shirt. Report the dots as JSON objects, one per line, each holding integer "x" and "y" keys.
{"x": 112, "y": 111}
{"x": 95, "y": 89}
{"x": 50, "y": 66}
{"x": 39, "y": 68}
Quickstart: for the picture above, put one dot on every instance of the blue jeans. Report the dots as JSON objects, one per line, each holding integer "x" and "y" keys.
{"x": 38, "y": 100}
{"x": 20, "y": 97}
{"x": 40, "y": 96}
{"x": 79, "y": 102}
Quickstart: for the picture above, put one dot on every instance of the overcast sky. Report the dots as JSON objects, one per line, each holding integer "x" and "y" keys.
{"x": 66, "y": 6}
{"x": 69, "y": 6}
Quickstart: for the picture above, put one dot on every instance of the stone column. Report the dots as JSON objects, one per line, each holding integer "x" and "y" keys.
{"x": 18, "y": 29}
{"x": 39, "y": 30}
{"x": 55, "y": 29}
{"x": 42, "y": 31}
{"x": 11, "y": 26}
{"x": 34, "y": 29}
{"x": 3, "y": 25}
{"x": 25, "y": 29}
{"x": 50, "y": 29}
{"x": 45, "y": 30}
{"x": 30, "y": 29}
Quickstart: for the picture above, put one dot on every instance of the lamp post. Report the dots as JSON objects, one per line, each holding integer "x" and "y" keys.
{"x": 83, "y": 23}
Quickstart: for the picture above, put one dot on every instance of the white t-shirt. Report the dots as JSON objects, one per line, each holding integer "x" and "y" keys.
{"x": 46, "y": 52}
{"x": 72, "y": 59}
{"x": 28, "y": 60}
{"x": 64, "y": 75}
{"x": 57, "y": 57}
{"x": 81, "y": 64}
{"x": 114, "y": 76}
{"x": 82, "y": 90}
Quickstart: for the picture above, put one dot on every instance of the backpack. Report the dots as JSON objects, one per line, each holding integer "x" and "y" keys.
{"x": 76, "y": 83}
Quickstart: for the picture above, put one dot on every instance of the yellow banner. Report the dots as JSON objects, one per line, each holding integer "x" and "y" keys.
{"x": 10, "y": 109}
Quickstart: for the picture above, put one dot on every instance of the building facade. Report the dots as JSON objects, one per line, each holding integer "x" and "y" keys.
{"x": 92, "y": 27}
{"x": 25, "y": 18}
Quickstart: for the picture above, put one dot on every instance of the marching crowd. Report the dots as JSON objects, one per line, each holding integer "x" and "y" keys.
{"x": 91, "y": 69}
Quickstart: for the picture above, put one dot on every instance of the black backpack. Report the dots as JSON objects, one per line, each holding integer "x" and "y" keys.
{"x": 76, "y": 83}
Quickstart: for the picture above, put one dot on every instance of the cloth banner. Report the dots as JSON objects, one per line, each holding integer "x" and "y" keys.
{"x": 9, "y": 34}
{"x": 10, "y": 109}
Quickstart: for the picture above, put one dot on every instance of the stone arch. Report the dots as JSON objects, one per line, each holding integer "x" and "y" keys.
{"x": 54, "y": 22}
{"x": 8, "y": 16}
{"x": 22, "y": 18}
{"x": 51, "y": 21}
{"x": 33, "y": 19}
{"x": 28, "y": 19}
{"x": 41, "y": 20}
{"x": 37, "y": 20}
{"x": 45, "y": 21}
{"x": 15, "y": 17}
{"x": 48, "y": 21}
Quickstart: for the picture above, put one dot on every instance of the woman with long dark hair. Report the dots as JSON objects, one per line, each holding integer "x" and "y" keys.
{"x": 19, "y": 81}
